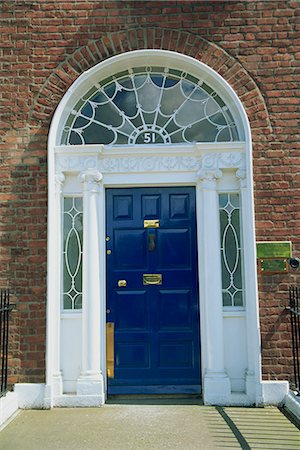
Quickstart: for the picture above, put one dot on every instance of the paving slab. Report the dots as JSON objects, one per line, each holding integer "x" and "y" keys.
{"x": 154, "y": 425}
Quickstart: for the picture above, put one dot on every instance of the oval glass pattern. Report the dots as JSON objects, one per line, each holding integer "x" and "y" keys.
{"x": 150, "y": 105}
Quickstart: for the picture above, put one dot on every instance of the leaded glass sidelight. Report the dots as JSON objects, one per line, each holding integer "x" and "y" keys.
{"x": 72, "y": 253}
{"x": 150, "y": 105}
{"x": 231, "y": 252}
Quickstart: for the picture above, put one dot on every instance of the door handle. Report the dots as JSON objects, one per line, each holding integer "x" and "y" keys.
{"x": 122, "y": 283}
{"x": 151, "y": 242}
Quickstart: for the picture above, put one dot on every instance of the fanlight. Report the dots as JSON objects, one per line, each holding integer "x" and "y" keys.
{"x": 149, "y": 105}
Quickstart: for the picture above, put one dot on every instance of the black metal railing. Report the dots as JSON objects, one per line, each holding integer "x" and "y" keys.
{"x": 5, "y": 309}
{"x": 294, "y": 309}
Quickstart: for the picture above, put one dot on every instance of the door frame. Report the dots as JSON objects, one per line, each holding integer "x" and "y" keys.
{"x": 212, "y": 167}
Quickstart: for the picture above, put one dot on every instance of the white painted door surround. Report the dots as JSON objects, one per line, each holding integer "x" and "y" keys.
{"x": 230, "y": 342}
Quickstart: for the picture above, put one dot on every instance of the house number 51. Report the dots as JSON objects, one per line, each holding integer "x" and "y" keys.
{"x": 149, "y": 137}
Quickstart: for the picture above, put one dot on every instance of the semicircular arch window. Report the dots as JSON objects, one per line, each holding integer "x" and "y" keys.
{"x": 150, "y": 105}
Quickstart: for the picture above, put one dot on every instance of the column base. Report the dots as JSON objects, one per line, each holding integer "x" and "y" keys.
{"x": 57, "y": 384}
{"x": 251, "y": 386}
{"x": 53, "y": 390}
{"x": 91, "y": 384}
{"x": 216, "y": 389}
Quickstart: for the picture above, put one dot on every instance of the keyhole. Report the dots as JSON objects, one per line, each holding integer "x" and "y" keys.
{"x": 151, "y": 242}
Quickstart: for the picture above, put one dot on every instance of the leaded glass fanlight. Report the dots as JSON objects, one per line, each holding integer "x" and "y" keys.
{"x": 149, "y": 105}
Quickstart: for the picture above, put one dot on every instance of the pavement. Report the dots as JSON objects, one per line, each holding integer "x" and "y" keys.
{"x": 151, "y": 424}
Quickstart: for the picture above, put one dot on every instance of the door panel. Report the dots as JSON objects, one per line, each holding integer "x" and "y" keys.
{"x": 175, "y": 310}
{"x": 173, "y": 249}
{"x": 135, "y": 240}
{"x": 157, "y": 343}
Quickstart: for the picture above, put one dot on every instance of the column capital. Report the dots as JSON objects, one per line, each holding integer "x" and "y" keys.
{"x": 59, "y": 180}
{"x": 209, "y": 177}
{"x": 241, "y": 174}
{"x": 90, "y": 178}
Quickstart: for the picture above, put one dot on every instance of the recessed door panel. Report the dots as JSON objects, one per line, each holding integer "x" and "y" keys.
{"x": 130, "y": 248}
{"x": 174, "y": 248}
{"x": 129, "y": 355}
{"x": 152, "y": 290}
{"x": 131, "y": 308}
{"x": 150, "y": 206}
{"x": 175, "y": 310}
{"x": 176, "y": 354}
{"x": 179, "y": 206}
{"x": 122, "y": 207}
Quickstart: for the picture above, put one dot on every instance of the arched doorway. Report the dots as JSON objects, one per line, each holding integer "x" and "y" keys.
{"x": 161, "y": 120}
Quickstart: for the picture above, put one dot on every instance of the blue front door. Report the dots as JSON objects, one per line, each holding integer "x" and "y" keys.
{"x": 152, "y": 290}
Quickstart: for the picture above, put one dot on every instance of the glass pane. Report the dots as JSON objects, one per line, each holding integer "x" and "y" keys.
{"x": 225, "y": 274}
{"x": 148, "y": 96}
{"x": 72, "y": 251}
{"x": 238, "y": 299}
{"x": 223, "y": 222}
{"x": 67, "y": 302}
{"x": 78, "y": 302}
{"x": 238, "y": 275}
{"x": 235, "y": 200}
{"x": 126, "y": 102}
{"x": 235, "y": 220}
{"x": 223, "y": 199}
{"x": 172, "y": 98}
{"x": 226, "y": 299}
{"x": 230, "y": 248}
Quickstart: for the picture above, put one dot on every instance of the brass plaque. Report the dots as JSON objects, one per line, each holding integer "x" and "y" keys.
{"x": 273, "y": 249}
{"x": 152, "y": 278}
{"x": 151, "y": 223}
{"x": 110, "y": 349}
{"x": 273, "y": 265}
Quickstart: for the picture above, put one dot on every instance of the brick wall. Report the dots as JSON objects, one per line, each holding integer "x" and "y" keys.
{"x": 47, "y": 44}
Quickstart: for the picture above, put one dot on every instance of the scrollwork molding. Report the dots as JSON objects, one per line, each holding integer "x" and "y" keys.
{"x": 143, "y": 163}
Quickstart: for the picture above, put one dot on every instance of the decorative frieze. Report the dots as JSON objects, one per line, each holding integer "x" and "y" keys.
{"x": 149, "y": 164}
{"x": 141, "y": 162}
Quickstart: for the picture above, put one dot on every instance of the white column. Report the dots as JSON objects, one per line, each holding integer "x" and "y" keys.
{"x": 90, "y": 382}
{"x": 253, "y": 375}
{"x": 53, "y": 373}
{"x": 216, "y": 388}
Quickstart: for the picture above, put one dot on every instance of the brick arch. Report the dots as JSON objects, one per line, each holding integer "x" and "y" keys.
{"x": 153, "y": 38}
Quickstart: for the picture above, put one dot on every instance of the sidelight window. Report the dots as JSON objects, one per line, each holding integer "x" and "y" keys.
{"x": 231, "y": 251}
{"x": 72, "y": 253}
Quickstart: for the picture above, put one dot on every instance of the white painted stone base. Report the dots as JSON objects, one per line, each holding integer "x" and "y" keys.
{"x": 41, "y": 396}
{"x": 274, "y": 392}
{"x": 216, "y": 389}
{"x": 292, "y": 404}
{"x": 8, "y": 406}
{"x": 78, "y": 401}
{"x": 31, "y": 395}
{"x": 87, "y": 387}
